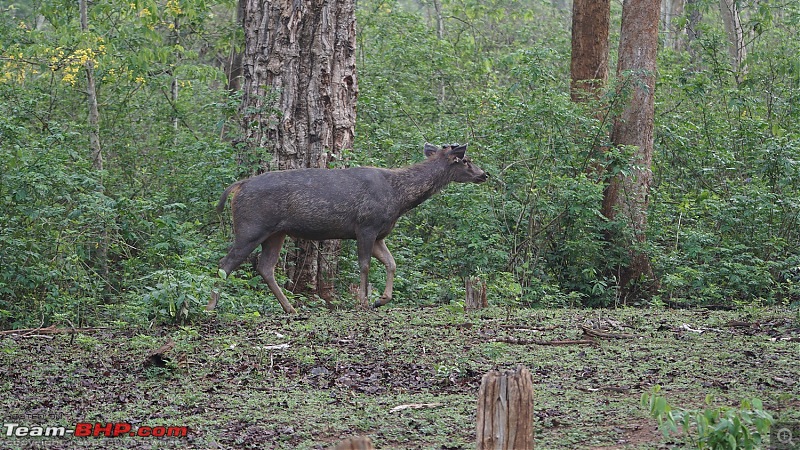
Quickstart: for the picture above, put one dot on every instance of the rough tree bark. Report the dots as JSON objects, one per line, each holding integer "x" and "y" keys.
{"x": 629, "y": 195}
{"x": 589, "y": 62}
{"x": 475, "y": 294}
{"x": 298, "y": 108}
{"x": 505, "y": 411}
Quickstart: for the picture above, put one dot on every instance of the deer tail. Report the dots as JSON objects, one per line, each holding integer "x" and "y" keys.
{"x": 228, "y": 191}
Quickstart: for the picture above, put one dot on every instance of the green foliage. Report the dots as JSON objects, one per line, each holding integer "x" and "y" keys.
{"x": 722, "y": 226}
{"x": 726, "y": 183}
{"x": 712, "y": 428}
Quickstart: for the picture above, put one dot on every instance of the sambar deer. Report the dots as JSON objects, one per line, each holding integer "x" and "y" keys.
{"x": 361, "y": 203}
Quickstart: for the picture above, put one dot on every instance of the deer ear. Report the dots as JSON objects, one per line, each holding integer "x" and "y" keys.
{"x": 458, "y": 151}
{"x": 430, "y": 150}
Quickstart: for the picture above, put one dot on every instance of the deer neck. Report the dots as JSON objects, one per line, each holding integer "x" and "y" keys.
{"x": 417, "y": 183}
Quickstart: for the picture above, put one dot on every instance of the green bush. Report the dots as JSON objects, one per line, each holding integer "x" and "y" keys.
{"x": 719, "y": 428}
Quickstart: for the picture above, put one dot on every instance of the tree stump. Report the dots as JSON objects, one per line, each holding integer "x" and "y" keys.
{"x": 356, "y": 443}
{"x": 476, "y": 294}
{"x": 505, "y": 411}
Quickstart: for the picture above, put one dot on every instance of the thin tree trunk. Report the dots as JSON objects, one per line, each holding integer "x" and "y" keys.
{"x": 233, "y": 66}
{"x": 91, "y": 93}
{"x": 589, "y": 61}
{"x": 670, "y": 9}
{"x": 733, "y": 27}
{"x": 174, "y": 86}
{"x": 298, "y": 107}
{"x": 692, "y": 27}
{"x": 437, "y": 7}
{"x": 629, "y": 195}
{"x": 100, "y": 255}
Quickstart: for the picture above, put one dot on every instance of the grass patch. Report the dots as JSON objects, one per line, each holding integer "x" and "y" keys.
{"x": 234, "y": 386}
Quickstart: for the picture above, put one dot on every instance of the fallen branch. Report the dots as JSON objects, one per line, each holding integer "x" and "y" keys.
{"x": 52, "y": 329}
{"x": 415, "y": 406}
{"x": 534, "y": 329}
{"x": 786, "y": 339}
{"x": 617, "y": 389}
{"x": 698, "y": 330}
{"x": 513, "y": 340}
{"x": 741, "y": 324}
{"x": 604, "y": 334}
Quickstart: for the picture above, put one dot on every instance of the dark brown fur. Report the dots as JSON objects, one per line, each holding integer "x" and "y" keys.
{"x": 361, "y": 203}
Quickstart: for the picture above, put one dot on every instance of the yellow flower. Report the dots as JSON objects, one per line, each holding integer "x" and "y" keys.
{"x": 174, "y": 7}
{"x": 139, "y": 80}
{"x": 70, "y": 78}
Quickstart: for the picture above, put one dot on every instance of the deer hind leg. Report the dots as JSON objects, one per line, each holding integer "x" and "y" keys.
{"x": 239, "y": 251}
{"x": 270, "y": 252}
{"x": 380, "y": 251}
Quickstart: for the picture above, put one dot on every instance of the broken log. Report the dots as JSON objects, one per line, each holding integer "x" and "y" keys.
{"x": 505, "y": 410}
{"x": 475, "y": 298}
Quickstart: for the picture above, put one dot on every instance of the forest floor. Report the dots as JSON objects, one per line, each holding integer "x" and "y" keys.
{"x": 406, "y": 377}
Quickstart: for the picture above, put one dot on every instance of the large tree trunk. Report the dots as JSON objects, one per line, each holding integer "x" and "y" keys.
{"x": 299, "y": 95}
{"x": 629, "y": 194}
{"x": 589, "y": 62}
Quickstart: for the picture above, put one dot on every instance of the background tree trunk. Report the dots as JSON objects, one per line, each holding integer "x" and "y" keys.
{"x": 233, "y": 63}
{"x": 100, "y": 253}
{"x": 695, "y": 16}
{"x": 733, "y": 27}
{"x": 629, "y": 195}
{"x": 671, "y": 9}
{"x": 298, "y": 108}
{"x": 589, "y": 62}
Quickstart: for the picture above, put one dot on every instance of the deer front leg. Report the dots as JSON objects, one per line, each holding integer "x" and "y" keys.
{"x": 381, "y": 252}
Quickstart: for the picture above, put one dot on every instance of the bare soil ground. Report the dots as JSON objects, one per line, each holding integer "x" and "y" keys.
{"x": 311, "y": 381}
